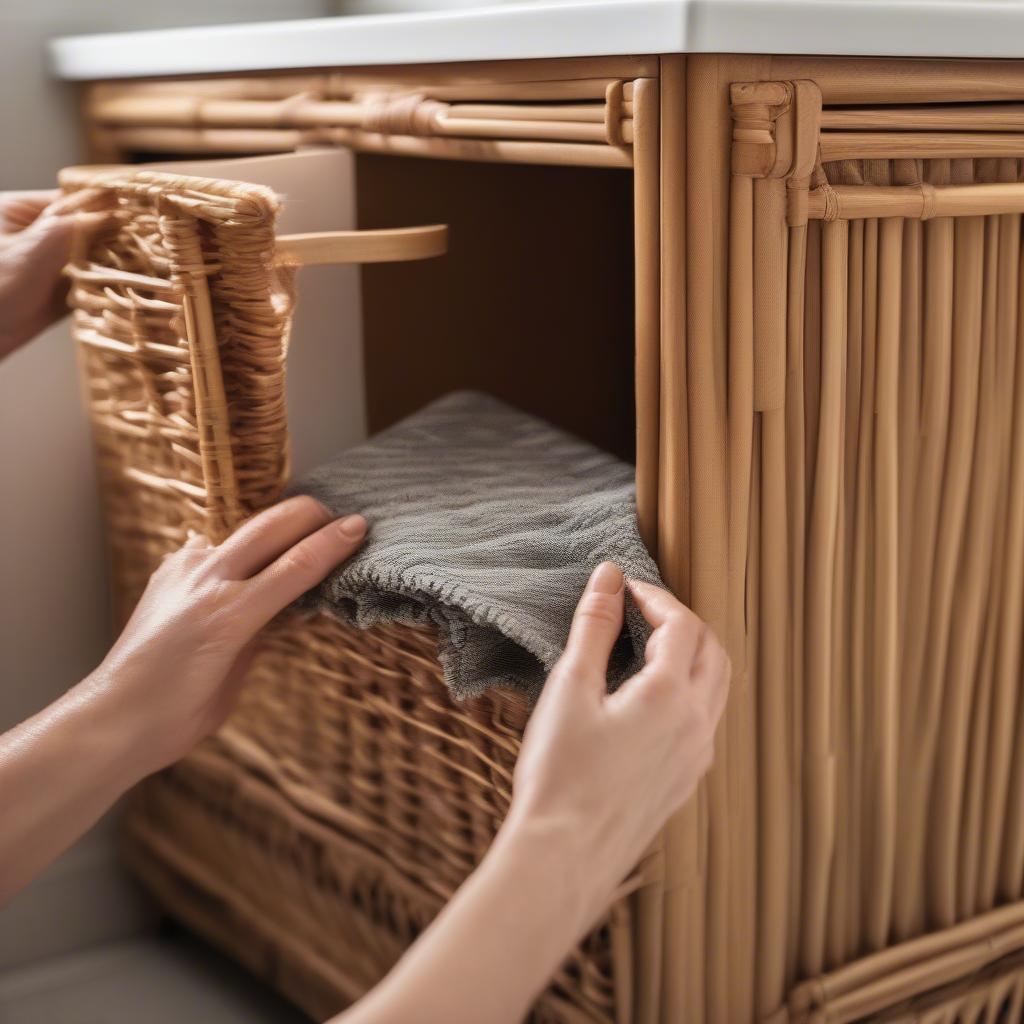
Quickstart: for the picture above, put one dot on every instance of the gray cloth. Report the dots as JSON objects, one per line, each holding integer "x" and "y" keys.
{"x": 485, "y": 522}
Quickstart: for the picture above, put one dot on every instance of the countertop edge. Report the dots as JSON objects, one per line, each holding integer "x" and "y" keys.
{"x": 901, "y": 28}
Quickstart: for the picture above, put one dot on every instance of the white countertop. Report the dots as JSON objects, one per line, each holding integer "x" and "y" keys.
{"x": 910, "y": 28}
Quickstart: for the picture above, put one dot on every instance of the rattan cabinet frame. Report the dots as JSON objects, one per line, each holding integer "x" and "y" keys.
{"x": 830, "y": 460}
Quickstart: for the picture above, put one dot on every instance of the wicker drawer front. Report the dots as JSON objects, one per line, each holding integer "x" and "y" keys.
{"x": 349, "y": 796}
{"x": 337, "y": 811}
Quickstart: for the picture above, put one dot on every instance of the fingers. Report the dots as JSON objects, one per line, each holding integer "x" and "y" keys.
{"x": 678, "y": 632}
{"x": 596, "y": 625}
{"x": 19, "y": 209}
{"x": 304, "y": 565}
{"x": 267, "y": 536}
{"x": 686, "y": 665}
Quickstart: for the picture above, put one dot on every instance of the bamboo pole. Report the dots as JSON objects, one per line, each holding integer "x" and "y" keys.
{"x": 770, "y": 264}
{"x": 909, "y": 406}
{"x": 572, "y": 154}
{"x": 897, "y": 986}
{"x": 965, "y": 683}
{"x": 226, "y": 141}
{"x": 1010, "y": 609}
{"x": 882, "y": 692}
{"x": 989, "y": 751}
{"x": 647, "y": 285}
{"x": 967, "y": 293}
{"x": 850, "y": 202}
{"x": 882, "y": 80}
{"x": 993, "y": 117}
{"x": 917, "y": 145}
{"x": 908, "y": 916}
{"x": 863, "y": 972}
{"x": 819, "y": 766}
{"x": 740, "y": 447}
{"x": 590, "y": 113}
{"x": 414, "y": 114}
{"x": 1011, "y": 867}
{"x": 854, "y": 555}
{"x": 865, "y": 322}
{"x": 646, "y": 213}
{"x": 804, "y": 388}
{"x": 673, "y": 453}
{"x": 742, "y": 529}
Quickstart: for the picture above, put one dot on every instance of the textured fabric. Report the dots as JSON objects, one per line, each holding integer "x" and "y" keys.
{"x": 485, "y": 522}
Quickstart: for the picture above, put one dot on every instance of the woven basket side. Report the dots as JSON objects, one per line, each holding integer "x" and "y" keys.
{"x": 342, "y": 804}
{"x": 181, "y": 321}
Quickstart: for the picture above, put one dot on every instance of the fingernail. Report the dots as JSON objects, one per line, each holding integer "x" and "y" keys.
{"x": 606, "y": 579}
{"x": 352, "y": 526}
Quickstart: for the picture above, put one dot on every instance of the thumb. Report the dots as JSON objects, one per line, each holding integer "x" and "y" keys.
{"x": 44, "y": 247}
{"x": 596, "y": 625}
{"x": 51, "y": 241}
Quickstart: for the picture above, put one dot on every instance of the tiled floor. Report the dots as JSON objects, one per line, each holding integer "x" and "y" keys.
{"x": 153, "y": 980}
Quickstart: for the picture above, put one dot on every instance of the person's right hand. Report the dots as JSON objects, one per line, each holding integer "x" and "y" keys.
{"x": 599, "y": 774}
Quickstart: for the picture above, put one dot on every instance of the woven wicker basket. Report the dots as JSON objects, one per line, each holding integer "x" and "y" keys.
{"x": 348, "y": 796}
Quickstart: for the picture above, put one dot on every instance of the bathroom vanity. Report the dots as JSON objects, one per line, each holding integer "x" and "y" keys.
{"x": 771, "y": 250}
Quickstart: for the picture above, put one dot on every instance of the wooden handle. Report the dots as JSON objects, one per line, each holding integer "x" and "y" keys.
{"x": 388, "y": 246}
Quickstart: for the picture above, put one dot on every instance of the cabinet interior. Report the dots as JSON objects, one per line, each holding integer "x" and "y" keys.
{"x": 533, "y": 302}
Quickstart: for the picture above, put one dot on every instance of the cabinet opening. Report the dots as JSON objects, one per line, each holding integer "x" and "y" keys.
{"x": 533, "y": 302}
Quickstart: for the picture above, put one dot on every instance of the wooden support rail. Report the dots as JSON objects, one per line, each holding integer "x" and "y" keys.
{"x": 405, "y": 113}
{"x": 889, "y": 145}
{"x": 920, "y": 202}
{"x": 968, "y": 117}
{"x": 903, "y": 971}
{"x": 387, "y": 246}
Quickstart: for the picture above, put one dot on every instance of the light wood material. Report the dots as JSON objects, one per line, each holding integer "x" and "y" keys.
{"x": 647, "y": 300}
{"x": 994, "y": 117}
{"x": 385, "y": 246}
{"x": 646, "y": 219}
{"x": 923, "y": 201}
{"x": 425, "y": 119}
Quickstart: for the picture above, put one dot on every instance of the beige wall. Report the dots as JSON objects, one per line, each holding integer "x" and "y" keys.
{"x": 53, "y": 619}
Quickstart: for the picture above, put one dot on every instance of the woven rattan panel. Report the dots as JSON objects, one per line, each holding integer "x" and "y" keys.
{"x": 338, "y": 810}
{"x": 891, "y": 476}
{"x": 348, "y": 797}
{"x": 181, "y": 326}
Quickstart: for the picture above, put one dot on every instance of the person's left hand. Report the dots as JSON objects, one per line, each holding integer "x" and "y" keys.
{"x": 37, "y": 230}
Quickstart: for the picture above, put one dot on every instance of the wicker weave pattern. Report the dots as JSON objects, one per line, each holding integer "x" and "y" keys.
{"x": 348, "y": 797}
{"x": 348, "y": 837}
{"x": 181, "y": 324}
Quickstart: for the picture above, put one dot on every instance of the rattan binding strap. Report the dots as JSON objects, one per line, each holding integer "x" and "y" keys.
{"x": 317, "y": 834}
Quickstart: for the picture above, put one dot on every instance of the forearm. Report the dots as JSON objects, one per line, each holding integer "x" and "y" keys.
{"x": 498, "y": 942}
{"x": 59, "y": 772}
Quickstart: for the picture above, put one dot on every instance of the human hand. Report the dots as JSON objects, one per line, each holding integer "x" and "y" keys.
{"x": 174, "y": 674}
{"x": 599, "y": 774}
{"x": 37, "y": 230}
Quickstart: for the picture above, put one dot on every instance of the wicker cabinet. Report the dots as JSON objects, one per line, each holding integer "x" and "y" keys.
{"x": 789, "y": 287}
